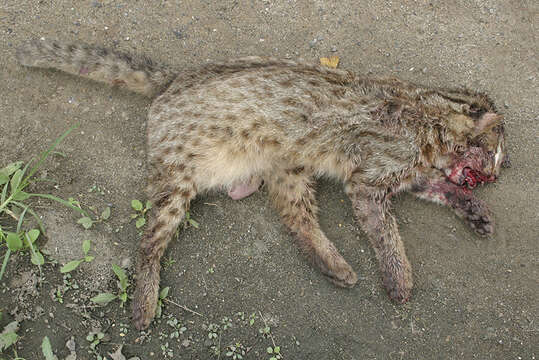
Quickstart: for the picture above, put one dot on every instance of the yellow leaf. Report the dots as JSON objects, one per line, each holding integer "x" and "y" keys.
{"x": 330, "y": 62}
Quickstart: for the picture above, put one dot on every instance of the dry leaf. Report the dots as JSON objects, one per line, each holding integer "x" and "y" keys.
{"x": 330, "y": 62}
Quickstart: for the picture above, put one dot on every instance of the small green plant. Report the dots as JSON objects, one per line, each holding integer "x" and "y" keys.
{"x": 46, "y": 349}
{"x": 140, "y": 214}
{"x": 87, "y": 222}
{"x": 59, "y": 295}
{"x": 265, "y": 331}
{"x": 9, "y": 336}
{"x": 252, "y": 319}
{"x": 69, "y": 282}
{"x": 21, "y": 240}
{"x": 72, "y": 265}
{"x": 168, "y": 262}
{"x": 227, "y": 322}
{"x": 14, "y": 180}
{"x": 97, "y": 189}
{"x": 166, "y": 351}
{"x": 213, "y": 330}
{"x": 162, "y": 296}
{"x": 275, "y": 352}
{"x": 178, "y": 328}
{"x": 236, "y": 351}
{"x": 105, "y": 298}
{"x": 94, "y": 338}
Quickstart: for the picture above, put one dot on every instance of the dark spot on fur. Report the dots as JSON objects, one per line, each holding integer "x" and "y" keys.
{"x": 179, "y": 148}
{"x": 288, "y": 101}
{"x": 301, "y": 141}
{"x": 157, "y": 226}
{"x": 245, "y": 134}
{"x": 418, "y": 187}
{"x": 180, "y": 167}
{"x": 286, "y": 83}
{"x": 338, "y": 92}
{"x": 173, "y": 212}
{"x": 186, "y": 194}
{"x": 247, "y": 111}
{"x": 295, "y": 171}
{"x": 231, "y": 117}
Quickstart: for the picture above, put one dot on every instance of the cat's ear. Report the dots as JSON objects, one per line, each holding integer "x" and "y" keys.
{"x": 487, "y": 122}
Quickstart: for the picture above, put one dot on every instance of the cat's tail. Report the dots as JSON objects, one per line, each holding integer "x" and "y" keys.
{"x": 136, "y": 73}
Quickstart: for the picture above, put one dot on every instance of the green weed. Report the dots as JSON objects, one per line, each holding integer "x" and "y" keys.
{"x": 162, "y": 296}
{"x": 105, "y": 298}
{"x": 9, "y": 336}
{"x": 140, "y": 212}
{"x": 72, "y": 265}
{"x": 14, "y": 180}
{"x": 46, "y": 349}
{"x": 236, "y": 351}
{"x": 87, "y": 222}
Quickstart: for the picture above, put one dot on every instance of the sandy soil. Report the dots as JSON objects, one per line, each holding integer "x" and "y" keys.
{"x": 474, "y": 298}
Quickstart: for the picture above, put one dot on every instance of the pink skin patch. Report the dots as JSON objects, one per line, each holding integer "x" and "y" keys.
{"x": 242, "y": 190}
{"x": 84, "y": 71}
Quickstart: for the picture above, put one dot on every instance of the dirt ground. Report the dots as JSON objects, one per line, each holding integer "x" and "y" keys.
{"x": 474, "y": 298}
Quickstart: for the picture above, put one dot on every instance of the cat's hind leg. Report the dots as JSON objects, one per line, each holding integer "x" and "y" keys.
{"x": 292, "y": 194}
{"x": 170, "y": 194}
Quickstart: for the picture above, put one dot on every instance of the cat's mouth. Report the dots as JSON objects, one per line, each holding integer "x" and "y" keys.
{"x": 471, "y": 178}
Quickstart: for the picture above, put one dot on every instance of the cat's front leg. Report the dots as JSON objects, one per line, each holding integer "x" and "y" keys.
{"x": 438, "y": 189}
{"x": 372, "y": 210}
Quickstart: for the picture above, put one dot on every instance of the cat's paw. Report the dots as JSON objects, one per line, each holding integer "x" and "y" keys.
{"x": 398, "y": 283}
{"x": 476, "y": 213}
{"x": 342, "y": 275}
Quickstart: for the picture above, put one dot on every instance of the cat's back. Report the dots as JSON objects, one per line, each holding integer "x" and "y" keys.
{"x": 255, "y": 94}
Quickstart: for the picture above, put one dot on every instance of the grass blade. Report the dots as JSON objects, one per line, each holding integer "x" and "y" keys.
{"x": 46, "y": 153}
{"x": 21, "y": 218}
{"x": 4, "y": 263}
{"x": 39, "y": 222}
{"x": 61, "y": 201}
{"x": 4, "y": 194}
{"x": 36, "y": 255}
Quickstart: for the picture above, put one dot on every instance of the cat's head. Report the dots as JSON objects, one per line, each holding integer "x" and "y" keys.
{"x": 479, "y": 151}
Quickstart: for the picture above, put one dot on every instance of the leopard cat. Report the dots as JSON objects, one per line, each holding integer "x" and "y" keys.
{"x": 233, "y": 125}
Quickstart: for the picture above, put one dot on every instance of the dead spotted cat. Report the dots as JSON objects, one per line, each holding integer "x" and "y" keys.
{"x": 235, "y": 124}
